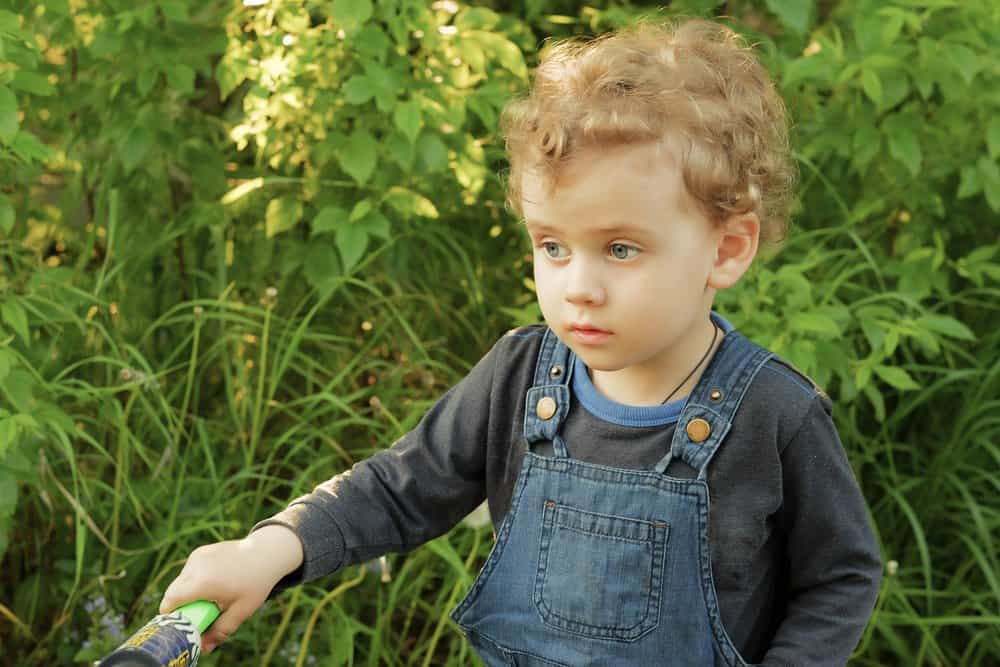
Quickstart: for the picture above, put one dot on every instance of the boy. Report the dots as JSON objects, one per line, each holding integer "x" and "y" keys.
{"x": 647, "y": 164}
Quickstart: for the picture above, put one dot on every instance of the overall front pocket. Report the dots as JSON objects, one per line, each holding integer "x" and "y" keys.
{"x": 599, "y": 575}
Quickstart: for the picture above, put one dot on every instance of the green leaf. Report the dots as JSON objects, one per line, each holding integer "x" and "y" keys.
{"x": 136, "y": 146}
{"x": 360, "y": 210}
{"x": 358, "y": 89}
{"x": 352, "y": 240}
{"x": 793, "y": 13}
{"x": 476, "y": 18}
{"x": 329, "y": 219}
{"x": 432, "y": 152}
{"x": 872, "y": 86}
{"x": 14, "y": 315}
{"x": 357, "y": 156}
{"x": 293, "y": 19}
{"x": 7, "y": 216}
{"x": 6, "y": 361}
{"x": 8, "y": 485}
{"x": 377, "y": 224}
{"x": 8, "y": 115}
{"x": 897, "y": 377}
{"x": 814, "y": 323}
{"x": 409, "y": 202}
{"x": 27, "y": 147}
{"x": 503, "y": 50}
{"x": 946, "y": 326}
{"x": 862, "y": 376}
{"x": 964, "y": 59}
{"x": 32, "y": 82}
{"x": 175, "y": 10}
{"x": 351, "y": 14}
{"x": 993, "y": 137}
{"x": 969, "y": 183}
{"x": 401, "y": 150}
{"x": 321, "y": 265}
{"x": 372, "y": 43}
{"x": 242, "y": 190}
{"x": 229, "y": 74}
{"x": 146, "y": 79}
{"x": 10, "y": 24}
{"x": 471, "y": 54}
{"x": 875, "y": 397}
{"x": 407, "y": 118}
{"x": 282, "y": 214}
{"x": 989, "y": 177}
{"x": 180, "y": 77}
{"x": 905, "y": 147}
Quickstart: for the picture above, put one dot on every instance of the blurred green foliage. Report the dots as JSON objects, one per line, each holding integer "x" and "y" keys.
{"x": 245, "y": 244}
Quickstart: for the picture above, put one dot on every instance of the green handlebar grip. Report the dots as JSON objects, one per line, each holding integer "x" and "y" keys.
{"x": 202, "y": 613}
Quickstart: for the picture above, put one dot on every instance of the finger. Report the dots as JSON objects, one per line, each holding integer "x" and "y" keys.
{"x": 224, "y": 627}
{"x": 177, "y": 593}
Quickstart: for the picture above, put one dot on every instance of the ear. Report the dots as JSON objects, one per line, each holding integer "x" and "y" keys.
{"x": 736, "y": 246}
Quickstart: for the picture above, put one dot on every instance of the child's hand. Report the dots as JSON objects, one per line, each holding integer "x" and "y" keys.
{"x": 237, "y": 575}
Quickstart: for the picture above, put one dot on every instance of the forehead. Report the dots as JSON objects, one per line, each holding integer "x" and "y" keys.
{"x": 636, "y": 185}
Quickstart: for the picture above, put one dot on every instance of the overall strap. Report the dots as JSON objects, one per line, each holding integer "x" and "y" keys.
{"x": 547, "y": 402}
{"x": 709, "y": 411}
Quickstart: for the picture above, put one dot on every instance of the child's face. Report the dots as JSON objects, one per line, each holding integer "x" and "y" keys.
{"x": 646, "y": 284}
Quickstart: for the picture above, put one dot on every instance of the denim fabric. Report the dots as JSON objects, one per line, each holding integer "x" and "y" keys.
{"x": 599, "y": 565}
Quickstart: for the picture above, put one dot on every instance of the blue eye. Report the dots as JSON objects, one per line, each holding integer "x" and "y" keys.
{"x": 545, "y": 247}
{"x": 622, "y": 245}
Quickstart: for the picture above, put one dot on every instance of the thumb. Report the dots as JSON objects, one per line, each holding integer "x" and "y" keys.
{"x": 224, "y": 627}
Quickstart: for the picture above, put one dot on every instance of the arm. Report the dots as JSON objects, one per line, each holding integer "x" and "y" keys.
{"x": 834, "y": 566}
{"x": 403, "y": 496}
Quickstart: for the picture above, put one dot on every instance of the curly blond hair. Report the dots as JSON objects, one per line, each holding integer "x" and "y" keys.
{"x": 694, "y": 81}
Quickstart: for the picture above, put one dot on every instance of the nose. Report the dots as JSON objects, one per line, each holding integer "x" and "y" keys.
{"x": 584, "y": 285}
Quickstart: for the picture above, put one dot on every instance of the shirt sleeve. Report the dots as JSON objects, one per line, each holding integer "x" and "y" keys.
{"x": 403, "y": 496}
{"x": 833, "y": 560}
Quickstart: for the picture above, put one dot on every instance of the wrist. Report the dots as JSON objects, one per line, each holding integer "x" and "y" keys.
{"x": 281, "y": 547}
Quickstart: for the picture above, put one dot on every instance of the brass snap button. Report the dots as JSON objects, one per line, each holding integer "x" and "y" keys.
{"x": 698, "y": 430}
{"x": 546, "y": 407}
{"x": 715, "y": 395}
{"x": 555, "y": 372}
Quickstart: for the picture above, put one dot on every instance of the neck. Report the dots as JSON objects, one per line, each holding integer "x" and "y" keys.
{"x": 648, "y": 385}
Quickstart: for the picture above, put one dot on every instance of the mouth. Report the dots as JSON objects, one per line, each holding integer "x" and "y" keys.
{"x": 589, "y": 335}
{"x": 586, "y": 328}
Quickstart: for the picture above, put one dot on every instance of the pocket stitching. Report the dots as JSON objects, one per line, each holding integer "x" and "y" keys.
{"x": 656, "y": 541}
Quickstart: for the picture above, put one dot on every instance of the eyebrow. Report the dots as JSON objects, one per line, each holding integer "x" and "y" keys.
{"x": 610, "y": 229}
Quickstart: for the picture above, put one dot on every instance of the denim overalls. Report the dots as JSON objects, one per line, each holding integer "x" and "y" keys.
{"x": 595, "y": 565}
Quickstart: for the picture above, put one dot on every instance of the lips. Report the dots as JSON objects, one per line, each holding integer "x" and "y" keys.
{"x": 586, "y": 328}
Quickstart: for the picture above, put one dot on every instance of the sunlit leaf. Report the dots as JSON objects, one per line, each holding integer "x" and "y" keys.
{"x": 897, "y": 377}
{"x": 350, "y": 14}
{"x": 282, "y": 214}
{"x": 409, "y": 202}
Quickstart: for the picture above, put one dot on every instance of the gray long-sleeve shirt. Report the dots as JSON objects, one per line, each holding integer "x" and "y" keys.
{"x": 794, "y": 558}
